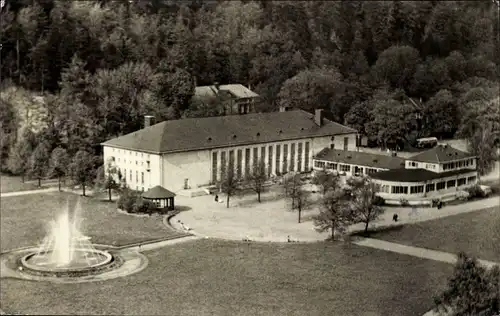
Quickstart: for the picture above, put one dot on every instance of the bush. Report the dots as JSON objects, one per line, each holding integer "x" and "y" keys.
{"x": 379, "y": 201}
{"x": 143, "y": 206}
{"x": 127, "y": 200}
{"x": 475, "y": 191}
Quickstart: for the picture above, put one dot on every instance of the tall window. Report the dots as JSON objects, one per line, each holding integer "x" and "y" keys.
{"x": 130, "y": 175}
{"x": 440, "y": 186}
{"x": 285, "y": 158}
{"x": 136, "y": 176}
{"x": 461, "y": 181}
{"x": 346, "y": 143}
{"x": 255, "y": 156}
{"x": 270, "y": 161}
{"x": 239, "y": 163}
{"x": 263, "y": 154}
{"x": 306, "y": 161}
{"x": 247, "y": 161}
{"x": 450, "y": 184}
{"x": 214, "y": 166}
{"x": 416, "y": 189}
{"x": 231, "y": 159}
{"x": 299, "y": 158}
{"x": 292, "y": 157}
{"x": 223, "y": 163}
{"x": 278, "y": 153}
{"x": 142, "y": 177}
{"x": 429, "y": 187}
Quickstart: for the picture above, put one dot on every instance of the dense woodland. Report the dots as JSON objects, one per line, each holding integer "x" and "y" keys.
{"x": 394, "y": 70}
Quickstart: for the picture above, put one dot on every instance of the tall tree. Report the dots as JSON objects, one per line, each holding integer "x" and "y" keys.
{"x": 472, "y": 290}
{"x": 83, "y": 168}
{"x": 39, "y": 162}
{"x": 20, "y": 153}
{"x": 302, "y": 200}
{"x": 59, "y": 162}
{"x": 440, "y": 115}
{"x": 108, "y": 178}
{"x": 364, "y": 203}
{"x": 335, "y": 212}
{"x": 257, "y": 178}
{"x": 484, "y": 144}
{"x": 229, "y": 184}
{"x": 396, "y": 66}
{"x": 326, "y": 180}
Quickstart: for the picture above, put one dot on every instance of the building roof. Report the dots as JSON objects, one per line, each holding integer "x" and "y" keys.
{"x": 224, "y": 131}
{"x": 158, "y": 192}
{"x": 415, "y": 175}
{"x": 441, "y": 154}
{"x": 361, "y": 159}
{"x": 236, "y": 90}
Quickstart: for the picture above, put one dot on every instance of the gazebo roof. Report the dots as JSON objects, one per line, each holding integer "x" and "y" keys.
{"x": 158, "y": 192}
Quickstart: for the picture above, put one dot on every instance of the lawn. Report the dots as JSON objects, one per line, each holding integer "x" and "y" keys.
{"x": 477, "y": 233}
{"x": 211, "y": 277}
{"x": 14, "y": 184}
{"x": 24, "y": 221}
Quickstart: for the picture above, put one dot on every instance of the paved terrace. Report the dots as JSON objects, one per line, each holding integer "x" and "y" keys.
{"x": 272, "y": 220}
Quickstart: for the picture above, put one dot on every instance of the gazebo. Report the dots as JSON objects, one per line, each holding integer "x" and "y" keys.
{"x": 160, "y": 196}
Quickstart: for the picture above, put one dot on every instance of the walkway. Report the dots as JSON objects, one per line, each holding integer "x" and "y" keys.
{"x": 272, "y": 221}
{"x": 415, "y": 251}
{"x": 18, "y": 193}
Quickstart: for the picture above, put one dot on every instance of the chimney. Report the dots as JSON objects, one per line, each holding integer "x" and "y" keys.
{"x": 148, "y": 120}
{"x": 318, "y": 117}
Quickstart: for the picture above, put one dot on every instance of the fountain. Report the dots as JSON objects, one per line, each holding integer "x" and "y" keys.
{"x": 65, "y": 251}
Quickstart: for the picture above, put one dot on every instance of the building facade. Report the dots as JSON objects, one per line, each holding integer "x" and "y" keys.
{"x": 437, "y": 173}
{"x": 192, "y": 153}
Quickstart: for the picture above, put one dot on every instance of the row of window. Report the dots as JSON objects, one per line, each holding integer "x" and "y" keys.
{"x": 458, "y": 164}
{"x": 296, "y": 151}
{"x": 342, "y": 167}
{"x": 417, "y": 189}
{"x": 130, "y": 176}
{"x": 427, "y": 165}
{"x": 131, "y": 153}
{"x": 130, "y": 161}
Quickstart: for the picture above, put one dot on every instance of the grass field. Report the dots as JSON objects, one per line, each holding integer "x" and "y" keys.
{"x": 24, "y": 221}
{"x": 209, "y": 277}
{"x": 14, "y": 184}
{"x": 476, "y": 233}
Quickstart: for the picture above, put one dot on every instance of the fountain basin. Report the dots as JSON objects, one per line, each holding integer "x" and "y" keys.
{"x": 38, "y": 263}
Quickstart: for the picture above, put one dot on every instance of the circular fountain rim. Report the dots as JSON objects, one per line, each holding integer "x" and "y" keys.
{"x": 108, "y": 259}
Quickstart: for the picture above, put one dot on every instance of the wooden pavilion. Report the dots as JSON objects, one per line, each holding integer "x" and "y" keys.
{"x": 160, "y": 196}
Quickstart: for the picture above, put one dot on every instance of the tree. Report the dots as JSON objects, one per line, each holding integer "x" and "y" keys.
{"x": 299, "y": 197}
{"x": 257, "y": 178}
{"x": 472, "y": 290}
{"x": 440, "y": 115}
{"x": 335, "y": 212}
{"x": 311, "y": 89}
{"x": 229, "y": 184}
{"x": 108, "y": 178}
{"x": 364, "y": 203}
{"x": 326, "y": 180}
{"x": 20, "y": 153}
{"x": 39, "y": 162}
{"x": 484, "y": 144}
{"x": 59, "y": 161}
{"x": 396, "y": 66}
{"x": 82, "y": 168}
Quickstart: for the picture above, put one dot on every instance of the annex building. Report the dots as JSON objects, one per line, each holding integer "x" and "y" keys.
{"x": 436, "y": 173}
{"x": 189, "y": 154}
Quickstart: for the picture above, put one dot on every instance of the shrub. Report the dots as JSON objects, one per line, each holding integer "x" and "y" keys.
{"x": 475, "y": 191}
{"x": 143, "y": 206}
{"x": 379, "y": 201}
{"x": 127, "y": 200}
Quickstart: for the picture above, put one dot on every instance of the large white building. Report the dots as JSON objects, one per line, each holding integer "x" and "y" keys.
{"x": 189, "y": 153}
{"x": 439, "y": 172}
